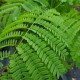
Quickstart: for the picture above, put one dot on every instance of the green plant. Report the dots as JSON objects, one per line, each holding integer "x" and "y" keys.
{"x": 10, "y": 13}
{"x": 32, "y": 22}
{"x": 44, "y": 41}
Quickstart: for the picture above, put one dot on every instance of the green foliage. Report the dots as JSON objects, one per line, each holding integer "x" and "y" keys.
{"x": 1, "y": 65}
{"x": 47, "y": 45}
{"x": 44, "y": 39}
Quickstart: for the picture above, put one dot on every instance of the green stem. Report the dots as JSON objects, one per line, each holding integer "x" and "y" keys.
{"x": 58, "y": 5}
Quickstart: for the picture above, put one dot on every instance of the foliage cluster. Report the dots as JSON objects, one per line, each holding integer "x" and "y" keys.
{"x": 43, "y": 35}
